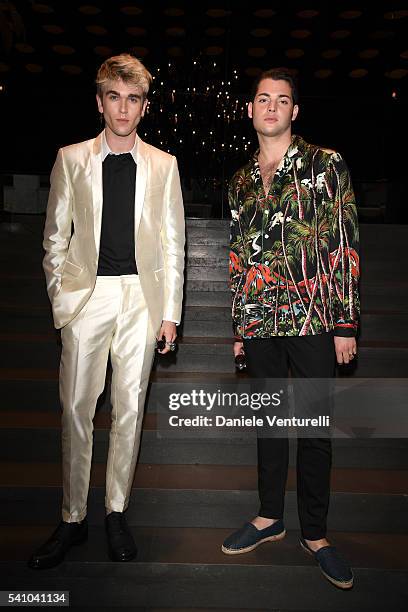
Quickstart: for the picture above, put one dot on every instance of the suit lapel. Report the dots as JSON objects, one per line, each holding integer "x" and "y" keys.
{"x": 97, "y": 191}
{"x": 141, "y": 180}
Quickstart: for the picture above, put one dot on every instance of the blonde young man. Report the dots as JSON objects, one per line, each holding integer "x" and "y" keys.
{"x": 114, "y": 242}
{"x": 294, "y": 270}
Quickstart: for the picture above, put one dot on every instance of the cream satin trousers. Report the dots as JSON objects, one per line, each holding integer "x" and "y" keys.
{"x": 115, "y": 319}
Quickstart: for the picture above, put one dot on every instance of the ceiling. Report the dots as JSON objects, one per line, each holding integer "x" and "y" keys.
{"x": 351, "y": 58}
{"x": 337, "y": 47}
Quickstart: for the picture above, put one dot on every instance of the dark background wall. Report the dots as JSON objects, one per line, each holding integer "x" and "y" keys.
{"x": 351, "y": 59}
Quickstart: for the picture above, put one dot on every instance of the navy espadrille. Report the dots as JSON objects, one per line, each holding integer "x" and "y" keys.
{"x": 332, "y": 565}
{"x": 249, "y": 537}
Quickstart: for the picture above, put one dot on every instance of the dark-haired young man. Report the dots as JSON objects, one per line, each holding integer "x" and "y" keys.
{"x": 114, "y": 261}
{"x": 294, "y": 271}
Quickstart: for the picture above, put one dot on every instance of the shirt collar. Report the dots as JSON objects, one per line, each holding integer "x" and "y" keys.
{"x": 105, "y": 150}
{"x": 295, "y": 149}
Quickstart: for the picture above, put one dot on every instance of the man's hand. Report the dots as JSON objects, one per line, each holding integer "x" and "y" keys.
{"x": 168, "y": 330}
{"x": 238, "y": 348}
{"x": 345, "y": 349}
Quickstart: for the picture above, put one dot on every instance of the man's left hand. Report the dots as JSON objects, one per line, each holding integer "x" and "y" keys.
{"x": 168, "y": 330}
{"x": 346, "y": 349}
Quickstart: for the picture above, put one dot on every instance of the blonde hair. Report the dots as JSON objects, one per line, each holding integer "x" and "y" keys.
{"x": 125, "y": 67}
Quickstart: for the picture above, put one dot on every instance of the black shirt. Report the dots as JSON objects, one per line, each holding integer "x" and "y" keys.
{"x": 117, "y": 245}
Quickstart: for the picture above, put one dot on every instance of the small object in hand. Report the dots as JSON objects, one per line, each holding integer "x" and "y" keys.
{"x": 240, "y": 362}
{"x": 161, "y": 344}
{"x": 172, "y": 345}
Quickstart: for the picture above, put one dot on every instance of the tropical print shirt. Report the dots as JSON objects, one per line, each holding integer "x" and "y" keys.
{"x": 294, "y": 264}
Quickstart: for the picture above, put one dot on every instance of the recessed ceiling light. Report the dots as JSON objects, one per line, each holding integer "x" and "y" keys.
{"x": 331, "y": 53}
{"x": 257, "y": 52}
{"x": 369, "y": 53}
{"x": 63, "y": 49}
{"x": 217, "y": 13}
{"x": 97, "y": 30}
{"x": 88, "y": 9}
{"x": 358, "y": 73}
{"x": 176, "y": 31}
{"x": 323, "y": 73}
{"x": 173, "y": 11}
{"x": 353, "y": 14}
{"x": 215, "y": 31}
{"x": 131, "y": 10}
{"x": 381, "y": 34}
{"x": 24, "y": 48}
{"x": 252, "y": 71}
{"x": 294, "y": 53}
{"x": 300, "y": 34}
{"x": 140, "y": 51}
{"x": 104, "y": 51}
{"x": 34, "y": 68}
{"x": 307, "y": 14}
{"x": 136, "y": 31}
{"x": 52, "y": 28}
{"x": 340, "y": 34}
{"x": 42, "y": 8}
{"x": 264, "y": 13}
{"x": 398, "y": 73}
{"x": 71, "y": 69}
{"x": 261, "y": 32}
{"x": 214, "y": 50}
{"x": 396, "y": 15}
{"x": 175, "y": 51}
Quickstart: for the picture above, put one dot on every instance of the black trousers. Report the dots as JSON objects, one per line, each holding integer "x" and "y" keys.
{"x": 307, "y": 357}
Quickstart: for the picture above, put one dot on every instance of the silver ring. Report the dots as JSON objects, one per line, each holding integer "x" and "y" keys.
{"x": 171, "y": 345}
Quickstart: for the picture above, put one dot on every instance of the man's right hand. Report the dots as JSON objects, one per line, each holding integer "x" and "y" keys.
{"x": 238, "y": 348}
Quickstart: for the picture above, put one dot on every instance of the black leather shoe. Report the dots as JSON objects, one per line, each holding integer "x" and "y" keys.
{"x": 53, "y": 551}
{"x": 121, "y": 544}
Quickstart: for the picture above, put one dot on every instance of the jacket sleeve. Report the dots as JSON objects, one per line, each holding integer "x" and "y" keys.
{"x": 236, "y": 261}
{"x": 343, "y": 250}
{"x": 173, "y": 240}
{"x": 57, "y": 231}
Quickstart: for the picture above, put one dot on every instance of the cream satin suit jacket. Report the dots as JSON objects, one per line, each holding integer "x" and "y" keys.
{"x": 73, "y": 228}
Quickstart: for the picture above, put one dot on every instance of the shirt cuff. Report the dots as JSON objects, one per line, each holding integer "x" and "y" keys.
{"x": 345, "y": 330}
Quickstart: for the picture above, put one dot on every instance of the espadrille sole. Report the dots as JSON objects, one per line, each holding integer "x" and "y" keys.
{"x": 337, "y": 583}
{"x": 240, "y": 551}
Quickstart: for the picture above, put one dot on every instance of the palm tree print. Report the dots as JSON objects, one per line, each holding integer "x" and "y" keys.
{"x": 294, "y": 265}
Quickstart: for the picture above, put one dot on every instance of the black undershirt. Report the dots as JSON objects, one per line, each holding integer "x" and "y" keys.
{"x": 117, "y": 245}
